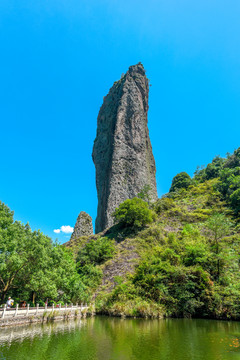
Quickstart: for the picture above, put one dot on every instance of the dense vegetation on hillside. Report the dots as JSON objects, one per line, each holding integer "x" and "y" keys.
{"x": 227, "y": 170}
{"x": 185, "y": 249}
{"x": 177, "y": 257}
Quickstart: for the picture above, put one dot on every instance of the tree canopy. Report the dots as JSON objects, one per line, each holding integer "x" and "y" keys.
{"x": 181, "y": 180}
{"x": 134, "y": 212}
{"x": 32, "y": 266}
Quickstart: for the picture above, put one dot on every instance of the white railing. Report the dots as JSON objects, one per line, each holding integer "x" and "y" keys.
{"x": 34, "y": 311}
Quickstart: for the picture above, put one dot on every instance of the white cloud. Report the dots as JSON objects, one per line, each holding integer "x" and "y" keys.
{"x": 66, "y": 229}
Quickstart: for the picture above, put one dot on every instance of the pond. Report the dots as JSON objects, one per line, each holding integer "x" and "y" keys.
{"x": 103, "y": 338}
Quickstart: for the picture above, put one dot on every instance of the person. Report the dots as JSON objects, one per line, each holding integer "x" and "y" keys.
{"x": 10, "y": 302}
{"x": 23, "y": 304}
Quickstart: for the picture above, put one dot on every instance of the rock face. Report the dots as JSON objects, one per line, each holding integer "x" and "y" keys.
{"x": 122, "y": 151}
{"x": 83, "y": 226}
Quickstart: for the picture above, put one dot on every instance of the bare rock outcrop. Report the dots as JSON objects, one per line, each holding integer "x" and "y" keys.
{"x": 122, "y": 151}
{"x": 83, "y": 226}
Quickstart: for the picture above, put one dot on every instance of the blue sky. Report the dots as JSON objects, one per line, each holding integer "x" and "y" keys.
{"x": 60, "y": 57}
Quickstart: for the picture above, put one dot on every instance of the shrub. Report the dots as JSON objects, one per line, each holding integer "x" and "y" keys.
{"x": 134, "y": 212}
{"x": 164, "y": 204}
{"x": 96, "y": 252}
{"x": 213, "y": 169}
{"x": 137, "y": 307}
{"x": 41, "y": 303}
{"x": 181, "y": 180}
{"x": 90, "y": 275}
{"x": 235, "y": 200}
{"x": 51, "y": 302}
{"x": 182, "y": 290}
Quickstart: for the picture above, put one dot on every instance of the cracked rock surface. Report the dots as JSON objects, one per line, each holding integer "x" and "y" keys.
{"x": 122, "y": 151}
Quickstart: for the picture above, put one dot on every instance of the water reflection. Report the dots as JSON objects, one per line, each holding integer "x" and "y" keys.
{"x": 117, "y": 339}
{"x": 20, "y": 333}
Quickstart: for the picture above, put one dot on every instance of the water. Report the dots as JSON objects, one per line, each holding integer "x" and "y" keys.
{"x": 103, "y": 338}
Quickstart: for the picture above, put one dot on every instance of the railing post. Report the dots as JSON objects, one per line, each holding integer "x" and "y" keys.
{"x": 45, "y": 306}
{"x": 37, "y": 309}
{"x": 71, "y": 307}
{"x": 60, "y": 306}
{"x": 27, "y": 309}
{"x": 52, "y": 307}
{"x": 66, "y": 307}
{"x": 81, "y": 306}
{"x": 4, "y": 310}
{"x": 16, "y": 311}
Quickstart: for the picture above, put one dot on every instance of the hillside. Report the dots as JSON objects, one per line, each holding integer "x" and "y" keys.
{"x": 184, "y": 262}
{"x": 178, "y": 257}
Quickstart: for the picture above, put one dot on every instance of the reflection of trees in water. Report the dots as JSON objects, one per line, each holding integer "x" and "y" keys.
{"x": 103, "y": 338}
{"x": 129, "y": 338}
{"x": 55, "y": 341}
{"x": 166, "y": 339}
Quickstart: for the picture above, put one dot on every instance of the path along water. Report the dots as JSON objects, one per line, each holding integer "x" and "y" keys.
{"x": 102, "y": 338}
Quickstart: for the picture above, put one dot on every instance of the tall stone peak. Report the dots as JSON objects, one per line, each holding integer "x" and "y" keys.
{"x": 83, "y": 226}
{"x": 122, "y": 151}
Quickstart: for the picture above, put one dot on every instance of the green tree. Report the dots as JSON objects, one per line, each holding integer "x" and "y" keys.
{"x": 181, "y": 180}
{"x": 182, "y": 290}
{"x": 219, "y": 226}
{"x": 235, "y": 200}
{"x": 213, "y": 169}
{"x": 14, "y": 240}
{"x": 31, "y": 265}
{"x": 96, "y": 252}
{"x": 93, "y": 254}
{"x": 134, "y": 212}
{"x": 233, "y": 161}
{"x": 55, "y": 274}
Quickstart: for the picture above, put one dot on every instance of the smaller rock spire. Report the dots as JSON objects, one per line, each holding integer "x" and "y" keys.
{"x": 83, "y": 226}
